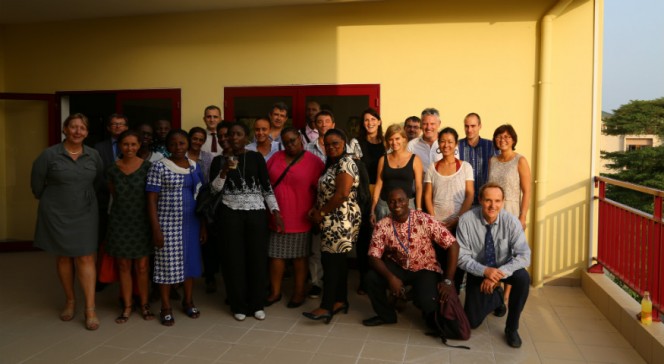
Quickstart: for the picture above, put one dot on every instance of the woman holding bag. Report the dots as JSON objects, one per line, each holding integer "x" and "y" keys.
{"x": 294, "y": 176}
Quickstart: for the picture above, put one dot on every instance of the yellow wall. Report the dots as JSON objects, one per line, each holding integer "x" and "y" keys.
{"x": 479, "y": 56}
{"x": 3, "y": 143}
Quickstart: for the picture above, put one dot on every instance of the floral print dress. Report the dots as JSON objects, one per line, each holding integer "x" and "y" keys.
{"x": 339, "y": 229}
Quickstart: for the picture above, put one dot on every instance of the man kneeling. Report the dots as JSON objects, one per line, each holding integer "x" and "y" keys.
{"x": 404, "y": 238}
{"x": 493, "y": 249}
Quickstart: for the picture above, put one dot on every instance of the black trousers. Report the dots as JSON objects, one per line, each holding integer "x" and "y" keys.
{"x": 424, "y": 284}
{"x": 210, "y": 252}
{"x": 335, "y": 279}
{"x": 244, "y": 258}
{"x": 478, "y": 305}
{"x": 362, "y": 248}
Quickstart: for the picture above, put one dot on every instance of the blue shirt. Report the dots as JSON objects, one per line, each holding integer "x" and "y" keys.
{"x": 478, "y": 157}
{"x": 512, "y": 250}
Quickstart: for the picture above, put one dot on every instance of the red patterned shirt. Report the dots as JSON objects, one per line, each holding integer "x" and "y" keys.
{"x": 420, "y": 253}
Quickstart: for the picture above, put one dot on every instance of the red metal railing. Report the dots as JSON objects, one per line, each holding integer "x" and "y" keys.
{"x": 630, "y": 242}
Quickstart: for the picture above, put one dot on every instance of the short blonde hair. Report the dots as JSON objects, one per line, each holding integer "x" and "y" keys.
{"x": 394, "y": 129}
{"x": 71, "y": 117}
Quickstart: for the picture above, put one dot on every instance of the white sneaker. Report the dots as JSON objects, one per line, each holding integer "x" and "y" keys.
{"x": 259, "y": 315}
{"x": 240, "y": 316}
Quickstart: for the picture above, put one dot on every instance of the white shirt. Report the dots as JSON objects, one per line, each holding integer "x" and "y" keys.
{"x": 448, "y": 192}
{"x": 427, "y": 153}
{"x": 275, "y": 147}
{"x": 207, "y": 146}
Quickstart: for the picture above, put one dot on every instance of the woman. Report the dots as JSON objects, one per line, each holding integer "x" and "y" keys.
{"x": 338, "y": 215}
{"x": 510, "y": 170}
{"x": 172, "y": 185}
{"x": 294, "y": 176}
{"x": 449, "y": 190}
{"x": 399, "y": 168}
{"x": 197, "y": 136}
{"x": 146, "y": 152}
{"x": 263, "y": 144}
{"x": 64, "y": 178}
{"x": 210, "y": 250}
{"x": 246, "y": 190}
{"x": 129, "y": 239}
{"x": 448, "y": 183}
{"x": 371, "y": 142}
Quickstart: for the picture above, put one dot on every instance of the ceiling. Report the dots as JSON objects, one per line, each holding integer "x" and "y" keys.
{"x": 33, "y": 11}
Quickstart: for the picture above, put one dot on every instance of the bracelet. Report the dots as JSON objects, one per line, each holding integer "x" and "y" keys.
{"x": 419, "y": 209}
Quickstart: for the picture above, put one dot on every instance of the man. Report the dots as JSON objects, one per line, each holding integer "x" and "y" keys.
{"x": 324, "y": 121}
{"x": 493, "y": 249}
{"x": 278, "y": 117}
{"x": 212, "y": 117}
{"x": 109, "y": 150}
{"x": 401, "y": 253}
{"x": 476, "y": 151}
{"x": 309, "y": 131}
{"x": 413, "y": 127}
{"x": 426, "y": 146}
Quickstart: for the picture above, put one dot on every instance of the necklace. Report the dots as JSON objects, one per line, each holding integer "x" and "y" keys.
{"x": 403, "y": 246}
{"x": 74, "y": 153}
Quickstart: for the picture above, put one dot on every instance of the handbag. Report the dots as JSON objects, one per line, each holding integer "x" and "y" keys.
{"x": 451, "y": 321}
{"x": 207, "y": 202}
{"x": 108, "y": 270}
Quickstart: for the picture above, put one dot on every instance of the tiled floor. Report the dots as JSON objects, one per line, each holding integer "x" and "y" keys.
{"x": 559, "y": 325}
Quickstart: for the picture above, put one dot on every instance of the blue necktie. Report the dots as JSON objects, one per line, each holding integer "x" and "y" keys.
{"x": 116, "y": 153}
{"x": 489, "y": 249}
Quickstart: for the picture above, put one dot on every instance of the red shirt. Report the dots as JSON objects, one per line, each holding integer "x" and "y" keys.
{"x": 295, "y": 193}
{"x": 420, "y": 255}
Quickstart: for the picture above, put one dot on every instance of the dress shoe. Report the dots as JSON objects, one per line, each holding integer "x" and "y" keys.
{"x": 326, "y": 317}
{"x": 500, "y": 311}
{"x": 239, "y": 316}
{"x": 376, "y": 321}
{"x": 294, "y": 304}
{"x": 343, "y": 308}
{"x": 315, "y": 292}
{"x": 269, "y": 302}
{"x": 513, "y": 338}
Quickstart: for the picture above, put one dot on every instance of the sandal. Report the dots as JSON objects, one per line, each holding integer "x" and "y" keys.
{"x": 146, "y": 313}
{"x": 124, "y": 315}
{"x": 91, "y": 322}
{"x": 166, "y": 317}
{"x": 67, "y": 313}
{"x": 191, "y": 310}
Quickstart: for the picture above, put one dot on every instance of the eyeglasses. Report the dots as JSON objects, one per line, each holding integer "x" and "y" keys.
{"x": 117, "y": 125}
{"x": 503, "y": 137}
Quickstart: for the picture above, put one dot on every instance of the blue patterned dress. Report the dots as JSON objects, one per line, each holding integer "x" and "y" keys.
{"x": 180, "y": 258}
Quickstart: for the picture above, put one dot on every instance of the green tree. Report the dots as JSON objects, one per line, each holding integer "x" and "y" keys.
{"x": 643, "y": 166}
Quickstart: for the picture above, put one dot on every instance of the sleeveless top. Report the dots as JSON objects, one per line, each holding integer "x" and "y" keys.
{"x": 398, "y": 177}
{"x": 506, "y": 174}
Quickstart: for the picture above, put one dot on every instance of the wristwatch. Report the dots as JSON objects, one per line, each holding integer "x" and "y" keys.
{"x": 447, "y": 282}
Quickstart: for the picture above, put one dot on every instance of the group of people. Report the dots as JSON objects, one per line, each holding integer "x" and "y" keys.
{"x": 421, "y": 208}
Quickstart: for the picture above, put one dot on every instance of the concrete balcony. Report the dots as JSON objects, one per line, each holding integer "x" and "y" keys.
{"x": 559, "y": 325}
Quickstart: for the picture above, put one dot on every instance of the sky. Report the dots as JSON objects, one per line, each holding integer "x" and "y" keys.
{"x": 633, "y": 59}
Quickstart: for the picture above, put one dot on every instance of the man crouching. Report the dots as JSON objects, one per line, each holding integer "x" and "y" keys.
{"x": 404, "y": 238}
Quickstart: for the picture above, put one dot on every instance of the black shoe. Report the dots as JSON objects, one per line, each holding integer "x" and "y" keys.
{"x": 500, "y": 311}
{"x": 315, "y": 292}
{"x": 376, "y": 321}
{"x": 326, "y": 317}
{"x": 294, "y": 304}
{"x": 513, "y": 338}
{"x": 343, "y": 308}
{"x": 211, "y": 287}
{"x": 269, "y": 302}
